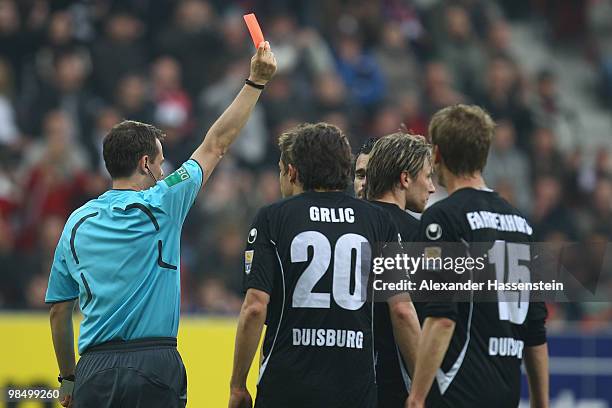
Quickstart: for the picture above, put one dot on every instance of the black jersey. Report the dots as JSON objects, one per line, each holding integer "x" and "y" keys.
{"x": 306, "y": 253}
{"x": 392, "y": 377}
{"x": 482, "y": 365}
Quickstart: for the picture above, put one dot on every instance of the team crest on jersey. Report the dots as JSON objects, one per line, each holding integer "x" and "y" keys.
{"x": 177, "y": 176}
{"x": 433, "y": 231}
{"x": 252, "y": 235}
{"x": 248, "y": 261}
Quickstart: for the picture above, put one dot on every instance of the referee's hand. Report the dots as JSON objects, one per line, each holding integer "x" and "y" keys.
{"x": 66, "y": 401}
{"x": 263, "y": 64}
{"x": 240, "y": 398}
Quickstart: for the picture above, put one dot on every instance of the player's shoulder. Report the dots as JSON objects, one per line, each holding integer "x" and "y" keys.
{"x": 401, "y": 217}
{"x": 468, "y": 199}
{"x": 440, "y": 208}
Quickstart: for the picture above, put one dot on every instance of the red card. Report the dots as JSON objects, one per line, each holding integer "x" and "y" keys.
{"x": 254, "y": 29}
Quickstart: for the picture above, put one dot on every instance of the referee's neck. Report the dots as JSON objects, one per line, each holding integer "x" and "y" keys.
{"x": 128, "y": 184}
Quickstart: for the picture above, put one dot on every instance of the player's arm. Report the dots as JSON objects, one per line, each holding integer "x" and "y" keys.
{"x": 434, "y": 341}
{"x": 536, "y": 366}
{"x": 250, "y": 326}
{"x": 226, "y": 129}
{"x": 406, "y": 328}
{"x": 536, "y": 355}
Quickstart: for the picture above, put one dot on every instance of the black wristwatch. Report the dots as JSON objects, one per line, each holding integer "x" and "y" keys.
{"x": 67, "y": 378}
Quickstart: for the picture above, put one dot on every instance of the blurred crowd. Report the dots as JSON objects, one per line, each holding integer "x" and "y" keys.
{"x": 70, "y": 70}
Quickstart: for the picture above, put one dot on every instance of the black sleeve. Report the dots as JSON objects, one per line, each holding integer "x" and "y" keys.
{"x": 260, "y": 259}
{"x": 536, "y": 328}
{"x": 433, "y": 229}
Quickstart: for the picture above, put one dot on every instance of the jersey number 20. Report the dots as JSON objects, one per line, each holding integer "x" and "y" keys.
{"x": 346, "y": 246}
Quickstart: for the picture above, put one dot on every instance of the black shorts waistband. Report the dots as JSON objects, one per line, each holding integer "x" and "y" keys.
{"x": 131, "y": 345}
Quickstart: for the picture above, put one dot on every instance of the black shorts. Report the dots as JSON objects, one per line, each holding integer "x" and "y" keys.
{"x": 144, "y": 373}
{"x": 392, "y": 395}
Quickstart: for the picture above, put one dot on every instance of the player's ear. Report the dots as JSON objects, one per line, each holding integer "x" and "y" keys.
{"x": 292, "y": 173}
{"x": 405, "y": 179}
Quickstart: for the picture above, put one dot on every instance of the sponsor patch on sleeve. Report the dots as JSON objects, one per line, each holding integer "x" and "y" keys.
{"x": 179, "y": 175}
{"x": 248, "y": 261}
{"x": 432, "y": 258}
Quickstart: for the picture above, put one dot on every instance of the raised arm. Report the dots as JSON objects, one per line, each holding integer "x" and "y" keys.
{"x": 226, "y": 129}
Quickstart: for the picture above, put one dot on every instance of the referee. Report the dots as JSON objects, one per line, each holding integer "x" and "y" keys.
{"x": 119, "y": 255}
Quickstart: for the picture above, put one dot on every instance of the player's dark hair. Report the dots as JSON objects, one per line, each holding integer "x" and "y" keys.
{"x": 463, "y": 134}
{"x": 392, "y": 155}
{"x": 125, "y": 145}
{"x": 365, "y": 148}
{"x": 322, "y": 157}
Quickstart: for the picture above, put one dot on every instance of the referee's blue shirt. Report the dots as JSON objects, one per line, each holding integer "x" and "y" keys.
{"x": 119, "y": 255}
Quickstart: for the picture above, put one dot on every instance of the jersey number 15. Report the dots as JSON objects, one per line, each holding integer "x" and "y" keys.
{"x": 513, "y": 306}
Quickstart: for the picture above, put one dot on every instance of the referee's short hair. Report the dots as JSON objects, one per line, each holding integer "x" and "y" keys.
{"x": 392, "y": 155}
{"x": 125, "y": 145}
{"x": 321, "y": 153}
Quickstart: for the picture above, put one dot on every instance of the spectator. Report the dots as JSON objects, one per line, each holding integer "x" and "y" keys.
{"x": 545, "y": 157}
{"x": 412, "y": 114}
{"x": 509, "y": 167}
{"x": 173, "y": 109}
{"x": 597, "y": 216}
{"x": 190, "y": 37}
{"x": 360, "y": 72}
{"x": 9, "y": 133}
{"x": 13, "y": 280}
{"x": 549, "y": 214}
{"x": 550, "y": 111}
{"x": 397, "y": 62}
{"x": 499, "y": 40}
{"x": 65, "y": 90}
{"x": 438, "y": 91}
{"x": 502, "y": 95}
{"x": 41, "y": 259}
{"x": 118, "y": 53}
{"x": 460, "y": 50}
{"x": 106, "y": 118}
{"x": 132, "y": 99}
{"x": 59, "y": 40}
{"x": 55, "y": 181}
{"x": 386, "y": 121}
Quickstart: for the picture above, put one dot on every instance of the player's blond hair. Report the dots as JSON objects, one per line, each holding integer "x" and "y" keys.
{"x": 285, "y": 145}
{"x": 392, "y": 155}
